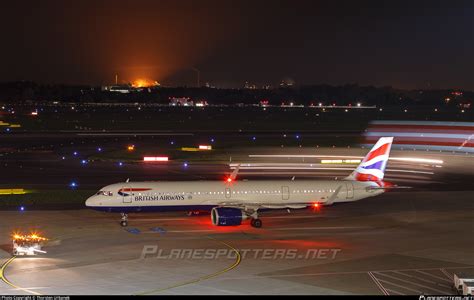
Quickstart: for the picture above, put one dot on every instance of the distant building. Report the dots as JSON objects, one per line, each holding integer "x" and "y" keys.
{"x": 287, "y": 83}
{"x": 209, "y": 85}
{"x": 122, "y": 88}
{"x": 181, "y": 101}
{"x": 201, "y": 103}
{"x": 249, "y": 86}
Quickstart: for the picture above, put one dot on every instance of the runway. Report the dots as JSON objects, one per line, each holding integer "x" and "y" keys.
{"x": 393, "y": 244}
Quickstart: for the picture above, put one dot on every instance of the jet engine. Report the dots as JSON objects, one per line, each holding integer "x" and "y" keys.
{"x": 227, "y": 216}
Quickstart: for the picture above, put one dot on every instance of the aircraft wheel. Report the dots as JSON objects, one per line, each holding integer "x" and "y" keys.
{"x": 257, "y": 223}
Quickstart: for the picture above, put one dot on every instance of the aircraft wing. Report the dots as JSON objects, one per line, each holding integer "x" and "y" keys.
{"x": 389, "y": 187}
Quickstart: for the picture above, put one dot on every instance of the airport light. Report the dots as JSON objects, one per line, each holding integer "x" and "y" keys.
{"x": 84, "y": 162}
{"x": 22, "y": 208}
{"x": 73, "y": 185}
{"x": 205, "y": 147}
{"x": 13, "y": 191}
{"x": 99, "y": 149}
{"x": 340, "y": 161}
{"x": 189, "y": 149}
{"x": 418, "y": 160}
{"x": 155, "y": 158}
{"x": 120, "y": 164}
{"x": 130, "y": 148}
{"x": 185, "y": 165}
{"x": 75, "y": 153}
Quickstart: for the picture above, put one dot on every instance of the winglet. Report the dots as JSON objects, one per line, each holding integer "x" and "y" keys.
{"x": 233, "y": 176}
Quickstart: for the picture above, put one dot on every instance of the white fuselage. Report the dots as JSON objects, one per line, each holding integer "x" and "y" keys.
{"x": 204, "y": 195}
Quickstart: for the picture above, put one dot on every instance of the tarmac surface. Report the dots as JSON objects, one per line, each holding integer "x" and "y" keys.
{"x": 397, "y": 243}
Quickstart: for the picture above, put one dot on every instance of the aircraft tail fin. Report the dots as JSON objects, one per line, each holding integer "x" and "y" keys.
{"x": 372, "y": 167}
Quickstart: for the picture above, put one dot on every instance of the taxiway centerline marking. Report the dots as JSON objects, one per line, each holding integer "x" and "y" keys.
{"x": 4, "y": 278}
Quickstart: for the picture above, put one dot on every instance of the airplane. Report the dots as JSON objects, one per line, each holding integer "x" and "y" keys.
{"x": 231, "y": 201}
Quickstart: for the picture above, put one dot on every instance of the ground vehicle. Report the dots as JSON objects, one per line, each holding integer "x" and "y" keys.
{"x": 27, "y": 244}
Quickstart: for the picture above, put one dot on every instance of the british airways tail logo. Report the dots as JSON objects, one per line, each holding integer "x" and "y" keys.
{"x": 372, "y": 167}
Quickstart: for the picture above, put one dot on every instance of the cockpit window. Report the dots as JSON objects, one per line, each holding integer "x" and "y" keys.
{"x": 104, "y": 193}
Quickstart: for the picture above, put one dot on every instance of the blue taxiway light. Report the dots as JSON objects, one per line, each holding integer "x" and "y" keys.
{"x": 75, "y": 153}
{"x": 22, "y": 208}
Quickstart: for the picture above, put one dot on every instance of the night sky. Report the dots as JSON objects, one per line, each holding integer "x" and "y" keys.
{"x": 404, "y": 44}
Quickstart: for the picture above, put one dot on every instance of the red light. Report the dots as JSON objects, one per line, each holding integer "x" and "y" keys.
{"x": 229, "y": 179}
{"x": 316, "y": 207}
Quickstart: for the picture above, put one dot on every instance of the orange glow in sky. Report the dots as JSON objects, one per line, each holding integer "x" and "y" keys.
{"x": 143, "y": 82}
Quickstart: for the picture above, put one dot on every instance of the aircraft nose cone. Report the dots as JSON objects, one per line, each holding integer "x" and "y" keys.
{"x": 91, "y": 201}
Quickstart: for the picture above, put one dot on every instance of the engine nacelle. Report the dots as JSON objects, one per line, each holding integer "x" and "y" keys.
{"x": 227, "y": 216}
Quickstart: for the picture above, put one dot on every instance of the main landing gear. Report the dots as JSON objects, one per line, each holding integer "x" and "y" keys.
{"x": 257, "y": 223}
{"x": 124, "y": 221}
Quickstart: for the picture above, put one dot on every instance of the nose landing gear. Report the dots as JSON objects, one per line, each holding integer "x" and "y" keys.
{"x": 124, "y": 221}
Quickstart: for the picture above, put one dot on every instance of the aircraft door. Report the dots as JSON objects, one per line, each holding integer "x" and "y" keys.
{"x": 285, "y": 193}
{"x": 350, "y": 190}
{"x": 127, "y": 194}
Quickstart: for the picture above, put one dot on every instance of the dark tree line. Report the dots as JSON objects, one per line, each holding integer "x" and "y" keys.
{"x": 350, "y": 94}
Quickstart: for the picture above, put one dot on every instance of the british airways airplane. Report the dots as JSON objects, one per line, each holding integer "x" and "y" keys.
{"x": 231, "y": 202}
